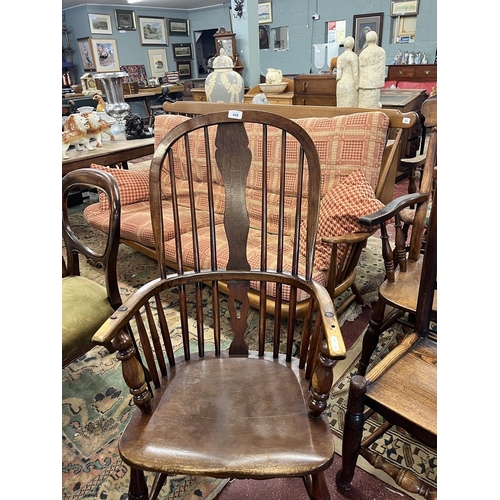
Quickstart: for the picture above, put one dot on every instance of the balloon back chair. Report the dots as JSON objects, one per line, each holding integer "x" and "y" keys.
{"x": 214, "y": 406}
{"x": 86, "y": 304}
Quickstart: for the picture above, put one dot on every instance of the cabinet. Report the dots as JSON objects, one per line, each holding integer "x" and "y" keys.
{"x": 412, "y": 73}
{"x": 315, "y": 90}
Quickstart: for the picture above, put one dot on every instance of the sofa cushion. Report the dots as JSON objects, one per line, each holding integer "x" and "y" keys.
{"x": 340, "y": 210}
{"x": 132, "y": 184}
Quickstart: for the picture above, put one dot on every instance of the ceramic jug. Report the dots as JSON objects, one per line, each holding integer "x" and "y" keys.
{"x": 274, "y": 75}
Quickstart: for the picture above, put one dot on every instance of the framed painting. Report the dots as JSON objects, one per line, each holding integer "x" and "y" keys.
{"x": 105, "y": 54}
{"x": 153, "y": 31}
{"x": 86, "y": 54}
{"x": 364, "y": 23}
{"x": 184, "y": 69}
{"x": 178, "y": 27}
{"x": 125, "y": 20}
{"x": 404, "y": 8}
{"x": 100, "y": 24}
{"x": 264, "y": 36}
{"x": 182, "y": 51}
{"x": 136, "y": 73}
{"x": 265, "y": 13}
{"x": 158, "y": 62}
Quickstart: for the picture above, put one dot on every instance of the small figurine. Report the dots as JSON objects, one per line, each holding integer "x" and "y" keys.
{"x": 135, "y": 128}
{"x": 424, "y": 58}
{"x": 75, "y": 134}
{"x": 411, "y": 58}
{"x": 97, "y": 127}
{"x": 101, "y": 105}
{"x": 417, "y": 58}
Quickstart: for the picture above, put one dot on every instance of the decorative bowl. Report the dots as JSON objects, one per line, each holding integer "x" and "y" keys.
{"x": 273, "y": 88}
{"x": 85, "y": 109}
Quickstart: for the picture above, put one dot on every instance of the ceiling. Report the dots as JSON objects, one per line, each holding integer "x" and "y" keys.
{"x": 164, "y": 4}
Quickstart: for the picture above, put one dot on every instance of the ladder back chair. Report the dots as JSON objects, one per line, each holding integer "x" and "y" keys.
{"x": 214, "y": 407}
{"x": 87, "y": 304}
{"x": 403, "y": 263}
{"x": 402, "y": 388}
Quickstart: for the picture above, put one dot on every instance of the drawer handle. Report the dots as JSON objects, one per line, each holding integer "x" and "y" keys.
{"x": 400, "y": 72}
{"x": 304, "y": 86}
{"x": 427, "y": 71}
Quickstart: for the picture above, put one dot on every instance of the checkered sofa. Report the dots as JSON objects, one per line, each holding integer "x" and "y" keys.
{"x": 350, "y": 149}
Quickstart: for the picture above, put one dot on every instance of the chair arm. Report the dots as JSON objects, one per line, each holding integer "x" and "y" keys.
{"x": 392, "y": 208}
{"x": 348, "y": 238}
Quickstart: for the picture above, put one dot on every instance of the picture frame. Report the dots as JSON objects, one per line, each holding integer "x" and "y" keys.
{"x": 105, "y": 54}
{"x": 401, "y": 8}
{"x": 265, "y": 12}
{"x": 264, "y": 36}
{"x": 100, "y": 24}
{"x": 158, "y": 62}
{"x": 86, "y": 53}
{"x": 182, "y": 51}
{"x": 125, "y": 20}
{"x": 363, "y": 23}
{"x": 153, "y": 31}
{"x": 178, "y": 27}
{"x": 184, "y": 69}
{"x": 136, "y": 73}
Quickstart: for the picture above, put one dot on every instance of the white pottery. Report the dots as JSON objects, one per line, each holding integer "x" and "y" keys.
{"x": 274, "y": 75}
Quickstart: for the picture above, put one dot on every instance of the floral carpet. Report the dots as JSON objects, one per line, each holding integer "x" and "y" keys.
{"x": 96, "y": 404}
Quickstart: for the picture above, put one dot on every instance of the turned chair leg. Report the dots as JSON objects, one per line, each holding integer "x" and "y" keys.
{"x": 137, "y": 489}
{"x": 371, "y": 336}
{"x": 353, "y": 432}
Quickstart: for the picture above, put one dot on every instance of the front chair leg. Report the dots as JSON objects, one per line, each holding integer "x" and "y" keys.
{"x": 371, "y": 336}
{"x": 353, "y": 431}
{"x": 316, "y": 486}
{"x": 137, "y": 489}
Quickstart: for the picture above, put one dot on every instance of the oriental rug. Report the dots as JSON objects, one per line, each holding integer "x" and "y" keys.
{"x": 96, "y": 404}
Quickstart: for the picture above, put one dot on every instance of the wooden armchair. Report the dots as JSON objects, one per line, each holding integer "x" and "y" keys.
{"x": 403, "y": 264}
{"x": 402, "y": 388}
{"x": 214, "y": 408}
{"x": 85, "y": 303}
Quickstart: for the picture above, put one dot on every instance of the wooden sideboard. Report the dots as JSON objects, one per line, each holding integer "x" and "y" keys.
{"x": 412, "y": 73}
{"x": 315, "y": 90}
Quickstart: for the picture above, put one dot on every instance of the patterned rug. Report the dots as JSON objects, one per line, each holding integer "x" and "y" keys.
{"x": 96, "y": 404}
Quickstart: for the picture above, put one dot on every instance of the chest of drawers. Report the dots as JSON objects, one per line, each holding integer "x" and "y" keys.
{"x": 315, "y": 90}
{"x": 412, "y": 73}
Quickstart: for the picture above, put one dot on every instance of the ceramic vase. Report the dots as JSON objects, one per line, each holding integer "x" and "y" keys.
{"x": 116, "y": 107}
{"x": 224, "y": 84}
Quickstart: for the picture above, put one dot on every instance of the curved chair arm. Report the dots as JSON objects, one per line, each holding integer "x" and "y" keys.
{"x": 393, "y": 208}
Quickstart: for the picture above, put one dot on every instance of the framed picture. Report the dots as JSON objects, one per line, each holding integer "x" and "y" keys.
{"x": 265, "y": 11}
{"x": 125, "y": 20}
{"x": 136, "y": 73}
{"x": 182, "y": 51}
{"x": 158, "y": 62}
{"x": 105, "y": 54}
{"x": 86, "y": 54}
{"x": 364, "y": 23}
{"x": 184, "y": 69}
{"x": 153, "y": 31}
{"x": 264, "y": 36}
{"x": 100, "y": 24}
{"x": 404, "y": 8}
{"x": 178, "y": 27}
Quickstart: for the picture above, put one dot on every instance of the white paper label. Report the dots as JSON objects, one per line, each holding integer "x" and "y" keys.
{"x": 406, "y": 120}
{"x": 235, "y": 114}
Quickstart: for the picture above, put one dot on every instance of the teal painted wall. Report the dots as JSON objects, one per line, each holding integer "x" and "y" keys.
{"x": 296, "y": 14}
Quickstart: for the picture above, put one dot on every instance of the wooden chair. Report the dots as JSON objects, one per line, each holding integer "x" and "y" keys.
{"x": 85, "y": 303}
{"x": 403, "y": 264}
{"x": 402, "y": 388}
{"x": 218, "y": 411}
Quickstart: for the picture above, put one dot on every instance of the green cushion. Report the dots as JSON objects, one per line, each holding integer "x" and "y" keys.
{"x": 85, "y": 307}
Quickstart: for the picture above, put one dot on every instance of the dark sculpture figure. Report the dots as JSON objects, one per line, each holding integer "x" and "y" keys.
{"x": 135, "y": 128}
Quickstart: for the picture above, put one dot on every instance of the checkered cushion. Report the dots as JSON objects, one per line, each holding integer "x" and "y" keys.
{"x": 132, "y": 184}
{"x": 340, "y": 210}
